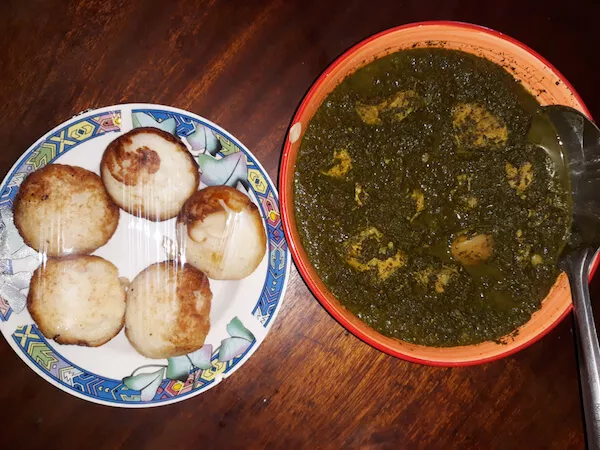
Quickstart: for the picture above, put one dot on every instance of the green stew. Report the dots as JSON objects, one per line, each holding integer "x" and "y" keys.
{"x": 421, "y": 204}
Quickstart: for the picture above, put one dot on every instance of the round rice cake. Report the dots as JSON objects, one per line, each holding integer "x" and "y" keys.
{"x": 64, "y": 210}
{"x": 221, "y": 233}
{"x": 77, "y": 300}
{"x": 168, "y": 308}
{"x": 149, "y": 173}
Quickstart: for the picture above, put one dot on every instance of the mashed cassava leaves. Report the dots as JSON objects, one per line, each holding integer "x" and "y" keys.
{"x": 421, "y": 204}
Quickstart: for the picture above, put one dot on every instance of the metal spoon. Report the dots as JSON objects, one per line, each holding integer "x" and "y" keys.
{"x": 573, "y": 142}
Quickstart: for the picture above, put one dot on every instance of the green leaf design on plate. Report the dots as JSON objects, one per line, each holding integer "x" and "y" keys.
{"x": 179, "y": 368}
{"x": 149, "y": 391}
{"x": 236, "y": 328}
{"x": 204, "y": 139}
{"x": 143, "y": 381}
{"x": 140, "y": 119}
{"x": 14, "y": 297}
{"x": 228, "y": 170}
{"x": 201, "y": 358}
{"x": 19, "y": 280}
{"x": 12, "y": 245}
{"x": 232, "y": 347}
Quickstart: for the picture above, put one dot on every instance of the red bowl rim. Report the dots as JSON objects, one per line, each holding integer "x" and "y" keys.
{"x": 284, "y": 200}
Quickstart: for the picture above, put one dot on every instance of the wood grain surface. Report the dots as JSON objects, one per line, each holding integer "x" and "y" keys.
{"x": 246, "y": 65}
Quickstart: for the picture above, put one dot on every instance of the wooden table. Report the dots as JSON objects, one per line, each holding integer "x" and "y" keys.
{"x": 246, "y": 66}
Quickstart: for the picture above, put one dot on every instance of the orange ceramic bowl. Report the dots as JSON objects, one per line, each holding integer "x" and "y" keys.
{"x": 534, "y": 72}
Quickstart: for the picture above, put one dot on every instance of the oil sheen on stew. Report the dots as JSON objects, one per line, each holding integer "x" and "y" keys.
{"x": 421, "y": 204}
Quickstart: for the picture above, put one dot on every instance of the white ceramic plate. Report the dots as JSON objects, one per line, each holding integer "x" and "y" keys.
{"x": 242, "y": 311}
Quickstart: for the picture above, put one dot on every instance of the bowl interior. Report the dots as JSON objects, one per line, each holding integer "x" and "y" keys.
{"x": 536, "y": 74}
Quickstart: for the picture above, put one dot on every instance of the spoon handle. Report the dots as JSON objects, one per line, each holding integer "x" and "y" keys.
{"x": 587, "y": 343}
